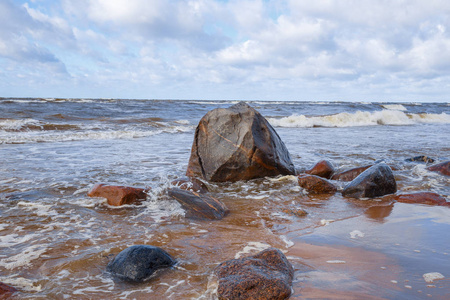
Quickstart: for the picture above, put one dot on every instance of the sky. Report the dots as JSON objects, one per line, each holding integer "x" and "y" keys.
{"x": 296, "y": 50}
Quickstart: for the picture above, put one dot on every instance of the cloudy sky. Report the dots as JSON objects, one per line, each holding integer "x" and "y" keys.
{"x": 347, "y": 50}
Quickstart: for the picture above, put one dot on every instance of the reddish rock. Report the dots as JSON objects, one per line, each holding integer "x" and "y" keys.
{"x": 266, "y": 275}
{"x": 422, "y": 198}
{"x": 351, "y": 174}
{"x": 199, "y": 206}
{"x": 322, "y": 169}
{"x": 117, "y": 195}
{"x": 237, "y": 143}
{"x": 376, "y": 181}
{"x": 298, "y": 212}
{"x": 316, "y": 185}
{"x": 443, "y": 168}
{"x": 6, "y": 291}
{"x": 191, "y": 184}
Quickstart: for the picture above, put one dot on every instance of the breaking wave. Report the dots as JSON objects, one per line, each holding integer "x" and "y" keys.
{"x": 360, "y": 118}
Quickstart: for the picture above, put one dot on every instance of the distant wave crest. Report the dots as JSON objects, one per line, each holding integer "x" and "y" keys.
{"x": 360, "y": 118}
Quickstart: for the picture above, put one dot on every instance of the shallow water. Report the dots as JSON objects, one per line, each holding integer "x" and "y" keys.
{"x": 56, "y": 242}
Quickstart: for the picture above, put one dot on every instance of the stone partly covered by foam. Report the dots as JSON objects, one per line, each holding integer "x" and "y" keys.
{"x": 191, "y": 184}
{"x": 423, "y": 198}
{"x": 237, "y": 143}
{"x": 199, "y": 206}
{"x": 376, "y": 181}
{"x": 322, "y": 169}
{"x": 117, "y": 195}
{"x": 316, "y": 185}
{"x": 138, "y": 263}
{"x": 443, "y": 168}
{"x": 266, "y": 275}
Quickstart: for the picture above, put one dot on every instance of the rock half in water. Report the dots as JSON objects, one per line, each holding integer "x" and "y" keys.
{"x": 237, "y": 143}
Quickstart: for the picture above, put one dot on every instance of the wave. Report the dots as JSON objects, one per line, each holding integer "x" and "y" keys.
{"x": 360, "y": 118}
{"x": 394, "y": 107}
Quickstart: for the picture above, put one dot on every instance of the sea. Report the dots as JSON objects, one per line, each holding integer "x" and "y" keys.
{"x": 55, "y": 241}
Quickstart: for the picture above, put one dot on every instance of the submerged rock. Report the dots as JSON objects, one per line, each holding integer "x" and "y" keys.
{"x": 199, "y": 206}
{"x": 316, "y": 185}
{"x": 237, "y": 143}
{"x": 266, "y": 275}
{"x": 6, "y": 291}
{"x": 376, "y": 181}
{"x": 443, "y": 168}
{"x": 322, "y": 169}
{"x": 423, "y": 198}
{"x": 191, "y": 184}
{"x": 138, "y": 263}
{"x": 421, "y": 158}
{"x": 117, "y": 195}
{"x": 351, "y": 174}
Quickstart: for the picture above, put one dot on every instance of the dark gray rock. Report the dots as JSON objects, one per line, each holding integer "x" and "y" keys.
{"x": 421, "y": 158}
{"x": 237, "y": 143}
{"x": 138, "y": 263}
{"x": 266, "y": 275}
{"x": 199, "y": 206}
{"x": 376, "y": 181}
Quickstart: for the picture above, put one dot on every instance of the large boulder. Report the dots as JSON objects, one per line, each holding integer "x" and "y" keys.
{"x": 350, "y": 174}
{"x": 266, "y": 275}
{"x": 237, "y": 143}
{"x": 315, "y": 184}
{"x": 423, "y": 198}
{"x": 138, "y": 263}
{"x": 117, "y": 195}
{"x": 322, "y": 169}
{"x": 376, "y": 181}
{"x": 199, "y": 206}
{"x": 443, "y": 168}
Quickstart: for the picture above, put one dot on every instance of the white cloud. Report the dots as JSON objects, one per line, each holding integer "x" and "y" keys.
{"x": 254, "y": 46}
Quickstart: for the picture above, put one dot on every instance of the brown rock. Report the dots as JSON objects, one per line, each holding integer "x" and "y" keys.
{"x": 422, "y": 198}
{"x": 421, "y": 158}
{"x": 376, "y": 181}
{"x": 443, "y": 168}
{"x": 6, "y": 291}
{"x": 117, "y": 195}
{"x": 199, "y": 206}
{"x": 298, "y": 212}
{"x": 322, "y": 169}
{"x": 349, "y": 175}
{"x": 237, "y": 143}
{"x": 266, "y": 275}
{"x": 316, "y": 185}
{"x": 191, "y": 184}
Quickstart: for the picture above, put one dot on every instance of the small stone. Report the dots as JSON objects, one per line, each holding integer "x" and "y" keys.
{"x": 421, "y": 158}
{"x": 199, "y": 206}
{"x": 376, "y": 181}
{"x": 316, "y": 185}
{"x": 266, "y": 275}
{"x": 6, "y": 291}
{"x": 322, "y": 169}
{"x": 191, "y": 184}
{"x": 443, "y": 168}
{"x": 138, "y": 263}
{"x": 422, "y": 198}
{"x": 351, "y": 174}
{"x": 117, "y": 195}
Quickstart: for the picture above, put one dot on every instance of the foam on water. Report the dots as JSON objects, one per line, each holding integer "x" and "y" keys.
{"x": 252, "y": 247}
{"x": 394, "y": 107}
{"x": 431, "y": 277}
{"x": 360, "y": 118}
{"x": 25, "y": 257}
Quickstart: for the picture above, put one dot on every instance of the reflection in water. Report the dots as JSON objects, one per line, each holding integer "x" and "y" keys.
{"x": 379, "y": 213}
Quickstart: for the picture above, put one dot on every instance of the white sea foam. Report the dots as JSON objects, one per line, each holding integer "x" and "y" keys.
{"x": 16, "y": 124}
{"x": 356, "y": 233}
{"x": 251, "y": 247}
{"x": 360, "y": 118}
{"x": 24, "y": 258}
{"x": 395, "y": 107}
{"x": 336, "y": 262}
{"x": 431, "y": 277}
{"x": 21, "y": 283}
